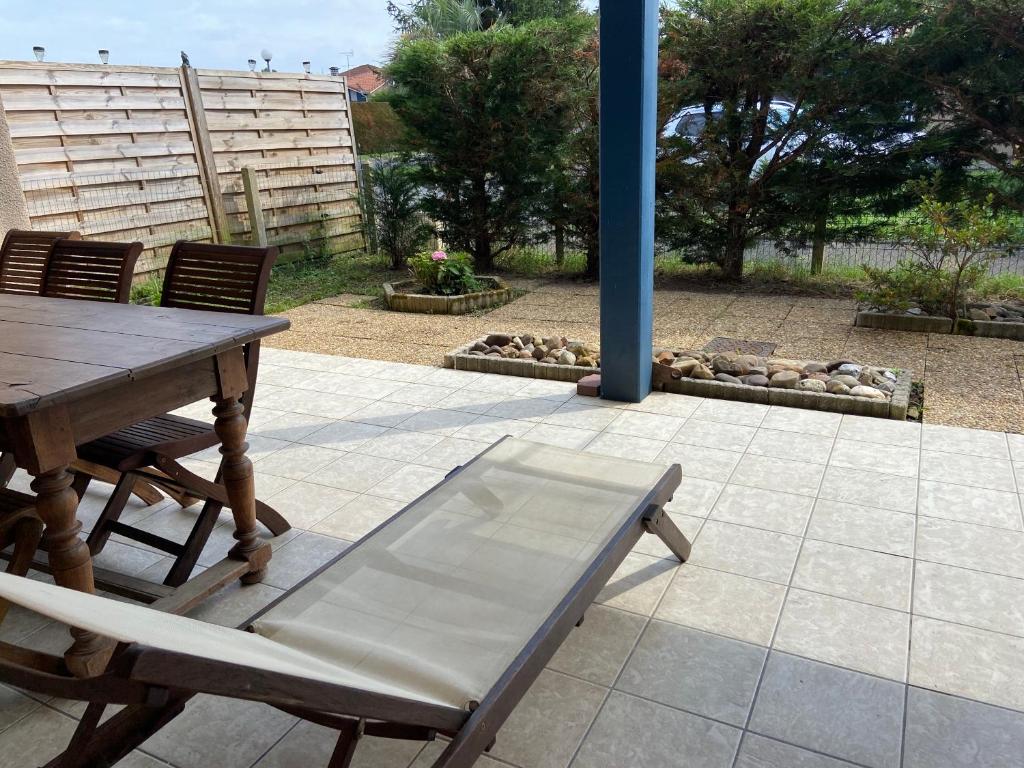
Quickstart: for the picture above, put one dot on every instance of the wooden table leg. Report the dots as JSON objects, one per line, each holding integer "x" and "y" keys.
{"x": 56, "y": 504}
{"x": 236, "y": 471}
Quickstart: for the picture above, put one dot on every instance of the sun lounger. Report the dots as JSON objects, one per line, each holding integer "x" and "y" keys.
{"x": 435, "y": 623}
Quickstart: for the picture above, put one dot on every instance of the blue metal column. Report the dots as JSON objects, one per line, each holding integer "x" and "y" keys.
{"x": 629, "y": 83}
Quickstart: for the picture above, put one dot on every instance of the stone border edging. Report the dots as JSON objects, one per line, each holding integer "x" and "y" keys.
{"x": 990, "y": 329}
{"x": 447, "y": 305}
{"x": 895, "y": 408}
{"x": 891, "y": 321}
{"x": 461, "y": 360}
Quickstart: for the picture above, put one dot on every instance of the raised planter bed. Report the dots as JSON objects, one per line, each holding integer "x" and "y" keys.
{"x": 996, "y": 321}
{"x": 472, "y": 357}
{"x": 900, "y": 321}
{"x": 483, "y": 356}
{"x": 402, "y": 297}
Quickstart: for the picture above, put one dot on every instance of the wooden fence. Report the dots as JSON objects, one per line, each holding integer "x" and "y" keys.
{"x": 155, "y": 154}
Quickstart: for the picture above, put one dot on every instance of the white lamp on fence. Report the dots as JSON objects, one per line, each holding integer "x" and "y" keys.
{"x": 305, "y": 67}
{"x": 252, "y": 65}
{"x": 104, "y": 56}
{"x": 39, "y": 52}
{"x": 266, "y": 55}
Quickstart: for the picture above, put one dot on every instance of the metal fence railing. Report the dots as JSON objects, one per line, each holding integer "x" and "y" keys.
{"x": 874, "y": 253}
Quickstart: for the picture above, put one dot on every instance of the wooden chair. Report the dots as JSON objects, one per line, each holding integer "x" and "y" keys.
{"x": 24, "y": 256}
{"x": 217, "y": 278}
{"x": 435, "y": 623}
{"x": 21, "y": 528}
{"x": 23, "y": 259}
{"x": 51, "y": 263}
{"x": 91, "y": 270}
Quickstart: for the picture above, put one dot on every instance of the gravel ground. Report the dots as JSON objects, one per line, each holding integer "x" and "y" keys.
{"x": 969, "y": 382}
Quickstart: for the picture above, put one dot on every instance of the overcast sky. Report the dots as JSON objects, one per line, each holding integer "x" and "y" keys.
{"x": 218, "y": 34}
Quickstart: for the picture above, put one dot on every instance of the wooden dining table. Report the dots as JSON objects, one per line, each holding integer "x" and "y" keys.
{"x": 72, "y": 371}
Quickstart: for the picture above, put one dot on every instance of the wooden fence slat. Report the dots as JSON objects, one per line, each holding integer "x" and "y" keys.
{"x": 107, "y": 77}
{"x": 73, "y": 127}
{"x": 41, "y": 102}
{"x": 102, "y": 152}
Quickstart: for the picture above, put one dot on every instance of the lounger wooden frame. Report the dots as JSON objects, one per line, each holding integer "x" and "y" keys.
{"x": 156, "y": 684}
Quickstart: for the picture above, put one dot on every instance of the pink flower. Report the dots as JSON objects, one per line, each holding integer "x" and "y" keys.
{"x": 439, "y": 256}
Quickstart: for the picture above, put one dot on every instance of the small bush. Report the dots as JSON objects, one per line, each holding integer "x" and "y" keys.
{"x": 954, "y": 244}
{"x": 442, "y": 274}
{"x": 392, "y": 202}
{"x": 908, "y": 284}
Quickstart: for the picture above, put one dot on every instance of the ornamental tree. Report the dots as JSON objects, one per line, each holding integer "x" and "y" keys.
{"x": 768, "y": 85}
{"x": 970, "y": 55}
{"x": 487, "y": 112}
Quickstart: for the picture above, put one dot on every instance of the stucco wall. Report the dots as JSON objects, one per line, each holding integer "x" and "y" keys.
{"x": 13, "y": 213}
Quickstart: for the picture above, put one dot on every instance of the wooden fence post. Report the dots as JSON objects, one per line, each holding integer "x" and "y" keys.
{"x": 208, "y": 177}
{"x": 257, "y": 227}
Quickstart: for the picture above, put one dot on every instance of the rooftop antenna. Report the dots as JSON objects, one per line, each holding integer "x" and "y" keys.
{"x": 348, "y": 58}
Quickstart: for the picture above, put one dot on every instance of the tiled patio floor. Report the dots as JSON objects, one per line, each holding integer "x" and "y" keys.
{"x": 855, "y": 595}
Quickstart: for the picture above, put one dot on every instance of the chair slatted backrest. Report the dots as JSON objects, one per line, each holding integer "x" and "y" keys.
{"x": 221, "y": 278}
{"x": 218, "y": 278}
{"x": 23, "y": 259}
{"x": 91, "y": 270}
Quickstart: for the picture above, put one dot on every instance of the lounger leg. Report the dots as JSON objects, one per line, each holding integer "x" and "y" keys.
{"x": 238, "y": 482}
{"x": 660, "y": 524}
{"x": 102, "y": 745}
{"x": 345, "y": 749}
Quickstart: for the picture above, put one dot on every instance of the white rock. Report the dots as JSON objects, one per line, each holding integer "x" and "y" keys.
{"x": 868, "y": 392}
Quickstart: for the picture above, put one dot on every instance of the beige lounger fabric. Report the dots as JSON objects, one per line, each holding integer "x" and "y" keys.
{"x": 440, "y": 601}
{"x": 132, "y": 623}
{"x": 434, "y": 606}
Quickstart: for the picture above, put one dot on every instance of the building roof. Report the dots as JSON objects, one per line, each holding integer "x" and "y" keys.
{"x": 366, "y": 78}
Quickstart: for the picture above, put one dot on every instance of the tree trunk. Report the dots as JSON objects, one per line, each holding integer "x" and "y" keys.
{"x": 593, "y": 260}
{"x": 735, "y": 244}
{"x": 483, "y": 256}
{"x": 559, "y": 245}
{"x": 818, "y": 243}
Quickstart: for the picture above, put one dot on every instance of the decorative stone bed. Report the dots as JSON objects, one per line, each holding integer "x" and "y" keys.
{"x": 402, "y": 297}
{"x": 537, "y": 357}
{"x": 841, "y": 386}
{"x": 1000, "y": 320}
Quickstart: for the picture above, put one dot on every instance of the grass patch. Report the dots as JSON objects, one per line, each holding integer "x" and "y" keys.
{"x": 776, "y": 276}
{"x": 538, "y": 262}
{"x": 1003, "y": 286}
{"x": 301, "y": 282}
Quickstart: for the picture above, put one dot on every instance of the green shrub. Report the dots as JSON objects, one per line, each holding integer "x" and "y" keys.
{"x": 147, "y": 292}
{"x": 378, "y": 130}
{"x": 908, "y": 284}
{"x": 392, "y": 203}
{"x": 954, "y": 244}
{"x": 442, "y": 274}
